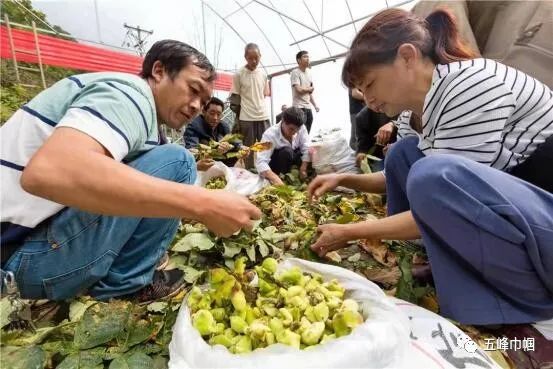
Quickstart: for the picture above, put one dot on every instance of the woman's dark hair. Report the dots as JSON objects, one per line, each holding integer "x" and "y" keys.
{"x": 214, "y": 101}
{"x": 436, "y": 36}
{"x": 294, "y": 116}
{"x": 174, "y": 56}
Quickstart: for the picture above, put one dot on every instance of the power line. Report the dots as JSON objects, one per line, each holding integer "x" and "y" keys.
{"x": 136, "y": 37}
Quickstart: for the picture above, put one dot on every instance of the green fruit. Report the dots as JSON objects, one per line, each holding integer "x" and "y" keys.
{"x": 220, "y": 328}
{"x": 238, "y": 300}
{"x": 349, "y": 304}
{"x": 270, "y": 338}
{"x": 270, "y": 265}
{"x": 243, "y": 345}
{"x": 257, "y": 329}
{"x": 290, "y": 277}
{"x": 313, "y": 333}
{"x": 267, "y": 289}
{"x": 270, "y": 310}
{"x": 220, "y": 340}
{"x": 238, "y": 324}
{"x": 204, "y": 322}
{"x": 229, "y": 333}
{"x": 321, "y": 312}
{"x": 194, "y": 298}
{"x": 240, "y": 265}
{"x": 287, "y": 337}
{"x": 286, "y": 315}
{"x": 296, "y": 291}
{"x": 327, "y": 337}
{"x": 219, "y": 314}
{"x": 217, "y": 276}
{"x": 276, "y": 325}
{"x": 304, "y": 325}
{"x": 345, "y": 321}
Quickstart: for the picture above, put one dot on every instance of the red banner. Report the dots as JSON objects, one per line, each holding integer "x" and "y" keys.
{"x": 73, "y": 55}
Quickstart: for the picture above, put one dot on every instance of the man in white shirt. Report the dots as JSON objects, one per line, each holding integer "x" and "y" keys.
{"x": 289, "y": 147}
{"x": 302, "y": 88}
{"x": 252, "y": 85}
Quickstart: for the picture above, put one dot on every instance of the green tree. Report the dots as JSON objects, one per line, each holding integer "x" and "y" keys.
{"x": 18, "y": 14}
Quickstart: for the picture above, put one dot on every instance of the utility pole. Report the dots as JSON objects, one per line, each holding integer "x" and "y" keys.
{"x": 136, "y": 37}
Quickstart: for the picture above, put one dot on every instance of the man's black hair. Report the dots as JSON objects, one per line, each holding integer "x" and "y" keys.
{"x": 294, "y": 116}
{"x": 174, "y": 56}
{"x": 214, "y": 101}
{"x": 300, "y": 54}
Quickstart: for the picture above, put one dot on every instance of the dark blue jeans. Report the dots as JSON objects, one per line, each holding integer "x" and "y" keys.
{"x": 105, "y": 256}
{"x": 488, "y": 234}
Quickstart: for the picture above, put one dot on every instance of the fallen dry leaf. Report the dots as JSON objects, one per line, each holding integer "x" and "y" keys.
{"x": 334, "y": 256}
{"x": 385, "y": 276}
{"x": 379, "y": 252}
{"x": 430, "y": 302}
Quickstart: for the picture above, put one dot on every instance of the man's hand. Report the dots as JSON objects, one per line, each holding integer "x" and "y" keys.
{"x": 317, "y": 109}
{"x": 303, "y": 170}
{"x": 204, "y": 164}
{"x": 275, "y": 180}
{"x": 272, "y": 177}
{"x": 244, "y": 151}
{"x": 218, "y": 219}
{"x": 384, "y": 134}
{"x": 322, "y": 184}
{"x": 359, "y": 158}
{"x": 224, "y": 147}
{"x": 331, "y": 237}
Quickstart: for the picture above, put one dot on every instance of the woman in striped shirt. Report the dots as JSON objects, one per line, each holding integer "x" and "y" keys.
{"x": 476, "y": 184}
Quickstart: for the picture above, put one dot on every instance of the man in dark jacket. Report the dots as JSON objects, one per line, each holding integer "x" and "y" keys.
{"x": 208, "y": 127}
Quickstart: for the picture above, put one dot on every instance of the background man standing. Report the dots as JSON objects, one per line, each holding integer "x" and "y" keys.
{"x": 302, "y": 88}
{"x": 251, "y": 84}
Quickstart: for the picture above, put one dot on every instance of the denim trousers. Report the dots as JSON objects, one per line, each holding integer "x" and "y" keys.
{"x": 77, "y": 252}
{"x": 488, "y": 234}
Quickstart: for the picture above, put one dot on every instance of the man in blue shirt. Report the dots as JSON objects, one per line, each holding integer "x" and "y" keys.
{"x": 90, "y": 200}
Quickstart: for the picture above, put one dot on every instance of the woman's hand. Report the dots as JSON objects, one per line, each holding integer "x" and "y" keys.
{"x": 322, "y": 184}
{"x": 384, "y": 134}
{"x": 331, "y": 237}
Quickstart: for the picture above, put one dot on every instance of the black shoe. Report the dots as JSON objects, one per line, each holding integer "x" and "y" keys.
{"x": 165, "y": 284}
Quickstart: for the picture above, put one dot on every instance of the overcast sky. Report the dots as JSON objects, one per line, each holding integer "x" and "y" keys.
{"x": 102, "y": 21}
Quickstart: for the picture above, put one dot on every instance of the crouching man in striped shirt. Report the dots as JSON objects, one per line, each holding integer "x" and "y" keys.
{"x": 90, "y": 199}
{"x": 476, "y": 184}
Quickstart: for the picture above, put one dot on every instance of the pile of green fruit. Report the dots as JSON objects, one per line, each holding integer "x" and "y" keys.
{"x": 216, "y": 183}
{"x": 291, "y": 307}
